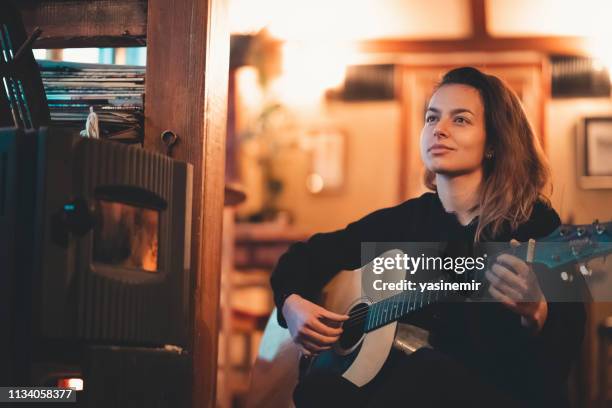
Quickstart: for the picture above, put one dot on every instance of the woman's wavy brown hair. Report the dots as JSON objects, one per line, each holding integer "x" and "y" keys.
{"x": 517, "y": 174}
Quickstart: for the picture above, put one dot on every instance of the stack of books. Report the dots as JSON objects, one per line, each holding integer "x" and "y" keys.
{"x": 114, "y": 92}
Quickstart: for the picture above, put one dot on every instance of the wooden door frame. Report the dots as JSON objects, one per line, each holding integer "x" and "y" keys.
{"x": 186, "y": 92}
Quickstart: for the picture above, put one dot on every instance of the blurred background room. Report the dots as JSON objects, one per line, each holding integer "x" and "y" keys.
{"x": 326, "y": 104}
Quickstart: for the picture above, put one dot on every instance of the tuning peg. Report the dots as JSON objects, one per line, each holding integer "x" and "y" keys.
{"x": 566, "y": 277}
{"x": 580, "y": 231}
{"x": 585, "y": 271}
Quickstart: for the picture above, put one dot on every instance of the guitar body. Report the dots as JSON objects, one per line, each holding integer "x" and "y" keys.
{"x": 357, "y": 356}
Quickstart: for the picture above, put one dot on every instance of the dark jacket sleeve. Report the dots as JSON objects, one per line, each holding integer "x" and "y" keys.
{"x": 558, "y": 344}
{"x": 307, "y": 266}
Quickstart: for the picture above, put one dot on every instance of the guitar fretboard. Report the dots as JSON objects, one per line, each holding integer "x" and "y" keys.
{"x": 401, "y": 304}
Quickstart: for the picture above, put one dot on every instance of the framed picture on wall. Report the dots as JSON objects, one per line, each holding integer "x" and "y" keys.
{"x": 594, "y": 152}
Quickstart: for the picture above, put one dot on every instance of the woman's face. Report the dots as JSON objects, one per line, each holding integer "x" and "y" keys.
{"x": 453, "y": 137}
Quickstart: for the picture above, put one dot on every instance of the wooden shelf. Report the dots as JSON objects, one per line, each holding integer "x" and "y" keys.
{"x": 94, "y": 23}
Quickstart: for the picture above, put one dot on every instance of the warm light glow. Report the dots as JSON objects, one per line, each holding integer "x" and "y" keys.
{"x": 248, "y": 16}
{"x": 314, "y": 183}
{"x": 86, "y": 55}
{"x": 126, "y": 236}
{"x": 319, "y": 36}
{"x": 589, "y": 18}
{"x": 309, "y": 69}
{"x": 598, "y": 65}
{"x": 599, "y": 48}
{"x": 39, "y": 54}
{"x": 250, "y": 94}
{"x": 74, "y": 383}
{"x": 585, "y": 18}
{"x": 320, "y": 20}
{"x": 349, "y": 20}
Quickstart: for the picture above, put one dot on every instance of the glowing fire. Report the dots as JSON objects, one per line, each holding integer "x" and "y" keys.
{"x": 126, "y": 236}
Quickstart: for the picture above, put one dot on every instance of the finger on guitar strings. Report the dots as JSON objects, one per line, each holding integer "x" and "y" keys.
{"x": 502, "y": 287}
{"x": 515, "y": 264}
{"x": 334, "y": 317}
{"x": 318, "y": 338}
{"x": 324, "y": 326}
{"x": 319, "y": 326}
{"x": 508, "y": 277}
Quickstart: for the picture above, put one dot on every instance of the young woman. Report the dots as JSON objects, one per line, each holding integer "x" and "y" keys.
{"x": 487, "y": 174}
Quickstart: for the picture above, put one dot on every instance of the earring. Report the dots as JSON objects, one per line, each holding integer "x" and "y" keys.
{"x": 489, "y": 155}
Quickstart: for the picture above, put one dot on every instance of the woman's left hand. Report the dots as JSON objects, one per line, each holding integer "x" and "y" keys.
{"x": 515, "y": 285}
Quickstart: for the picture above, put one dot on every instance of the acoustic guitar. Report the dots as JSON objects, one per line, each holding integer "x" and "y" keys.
{"x": 372, "y": 329}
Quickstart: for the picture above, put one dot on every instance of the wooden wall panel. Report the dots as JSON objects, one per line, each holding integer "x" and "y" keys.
{"x": 549, "y": 45}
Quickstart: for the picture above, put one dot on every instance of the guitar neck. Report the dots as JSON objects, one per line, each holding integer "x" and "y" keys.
{"x": 564, "y": 247}
{"x": 396, "y": 307}
{"x": 402, "y": 304}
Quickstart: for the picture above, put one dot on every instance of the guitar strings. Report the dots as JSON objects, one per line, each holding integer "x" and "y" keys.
{"x": 358, "y": 315}
{"x": 357, "y": 318}
{"x": 363, "y": 311}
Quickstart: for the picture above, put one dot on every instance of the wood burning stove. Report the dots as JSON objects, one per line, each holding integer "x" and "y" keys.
{"x": 96, "y": 280}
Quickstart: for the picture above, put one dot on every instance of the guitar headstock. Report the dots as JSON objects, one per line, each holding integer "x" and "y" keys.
{"x": 570, "y": 244}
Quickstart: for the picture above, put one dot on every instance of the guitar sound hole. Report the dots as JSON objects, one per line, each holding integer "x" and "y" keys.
{"x": 353, "y": 327}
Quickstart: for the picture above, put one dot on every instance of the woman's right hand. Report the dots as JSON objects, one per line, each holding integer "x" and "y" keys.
{"x": 312, "y": 327}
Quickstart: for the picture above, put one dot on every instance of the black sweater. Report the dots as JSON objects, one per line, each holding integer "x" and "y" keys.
{"x": 486, "y": 337}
